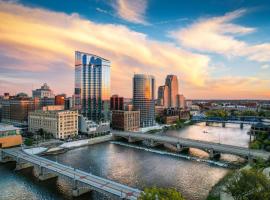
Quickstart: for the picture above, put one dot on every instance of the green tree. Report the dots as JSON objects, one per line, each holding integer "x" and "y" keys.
{"x": 155, "y": 193}
{"x": 248, "y": 185}
{"x": 28, "y": 142}
{"x": 217, "y": 113}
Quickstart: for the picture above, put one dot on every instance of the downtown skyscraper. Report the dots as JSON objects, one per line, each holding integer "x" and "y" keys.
{"x": 144, "y": 98}
{"x": 172, "y": 83}
{"x": 92, "y": 86}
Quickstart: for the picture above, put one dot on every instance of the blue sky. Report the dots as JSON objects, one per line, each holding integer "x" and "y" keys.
{"x": 212, "y": 43}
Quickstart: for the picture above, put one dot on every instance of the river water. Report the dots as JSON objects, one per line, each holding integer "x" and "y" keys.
{"x": 131, "y": 166}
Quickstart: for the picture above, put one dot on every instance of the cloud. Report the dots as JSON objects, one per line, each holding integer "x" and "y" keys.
{"x": 219, "y": 35}
{"x": 233, "y": 87}
{"x": 265, "y": 66}
{"x": 131, "y": 11}
{"x": 33, "y": 41}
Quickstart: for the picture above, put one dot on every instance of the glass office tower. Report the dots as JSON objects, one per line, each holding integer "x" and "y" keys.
{"x": 92, "y": 86}
{"x": 144, "y": 98}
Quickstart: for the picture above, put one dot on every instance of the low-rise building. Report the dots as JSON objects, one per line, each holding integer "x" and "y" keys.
{"x": 60, "y": 123}
{"x": 91, "y": 128}
{"x": 126, "y": 120}
{"x": 9, "y": 136}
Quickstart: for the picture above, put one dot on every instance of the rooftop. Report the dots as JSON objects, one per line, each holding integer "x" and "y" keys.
{"x": 7, "y": 127}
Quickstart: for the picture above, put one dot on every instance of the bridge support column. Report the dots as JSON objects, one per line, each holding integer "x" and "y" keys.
{"x": 45, "y": 176}
{"x": 3, "y": 158}
{"x": 241, "y": 125}
{"x": 23, "y": 165}
{"x": 223, "y": 124}
{"x": 213, "y": 154}
{"x": 76, "y": 191}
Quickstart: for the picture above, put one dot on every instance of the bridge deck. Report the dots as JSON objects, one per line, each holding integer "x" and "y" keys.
{"x": 221, "y": 148}
{"x": 93, "y": 181}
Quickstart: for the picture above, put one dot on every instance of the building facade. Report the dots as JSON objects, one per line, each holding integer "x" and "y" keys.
{"x": 91, "y": 128}
{"x": 61, "y": 124}
{"x": 144, "y": 98}
{"x": 60, "y": 99}
{"x": 163, "y": 96}
{"x": 92, "y": 86}
{"x": 9, "y": 136}
{"x": 126, "y": 120}
{"x": 172, "y": 83}
{"x": 43, "y": 92}
{"x": 181, "y": 101}
{"x": 117, "y": 103}
{"x": 15, "y": 109}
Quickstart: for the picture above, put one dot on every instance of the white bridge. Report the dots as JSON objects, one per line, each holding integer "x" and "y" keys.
{"x": 49, "y": 169}
{"x": 211, "y": 147}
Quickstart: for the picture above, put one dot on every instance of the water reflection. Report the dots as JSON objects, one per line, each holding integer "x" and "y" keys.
{"x": 130, "y": 166}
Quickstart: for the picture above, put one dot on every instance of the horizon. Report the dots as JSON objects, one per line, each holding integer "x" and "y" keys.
{"x": 218, "y": 50}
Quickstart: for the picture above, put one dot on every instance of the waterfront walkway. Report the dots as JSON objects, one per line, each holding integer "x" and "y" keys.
{"x": 211, "y": 147}
{"x": 110, "y": 188}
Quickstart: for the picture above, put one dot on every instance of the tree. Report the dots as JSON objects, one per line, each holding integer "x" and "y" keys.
{"x": 28, "y": 142}
{"x": 155, "y": 193}
{"x": 248, "y": 185}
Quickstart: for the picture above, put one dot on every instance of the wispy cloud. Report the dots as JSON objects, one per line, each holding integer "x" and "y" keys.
{"x": 265, "y": 66}
{"x": 47, "y": 47}
{"x": 219, "y": 35}
{"x": 131, "y": 11}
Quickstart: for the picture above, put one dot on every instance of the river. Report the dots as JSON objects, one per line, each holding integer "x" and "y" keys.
{"x": 131, "y": 166}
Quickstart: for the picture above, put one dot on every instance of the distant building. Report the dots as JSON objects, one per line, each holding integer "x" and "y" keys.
{"x": 60, "y": 99}
{"x": 15, "y": 109}
{"x": 53, "y": 107}
{"x": 43, "y": 92}
{"x": 9, "y": 136}
{"x": 144, "y": 98}
{"x": 69, "y": 103}
{"x": 172, "y": 83}
{"x": 126, "y": 120}
{"x": 61, "y": 124}
{"x": 172, "y": 115}
{"x": 117, "y": 103}
{"x": 159, "y": 110}
{"x": 163, "y": 96}
{"x": 91, "y": 128}
{"x": 92, "y": 86}
{"x": 181, "y": 101}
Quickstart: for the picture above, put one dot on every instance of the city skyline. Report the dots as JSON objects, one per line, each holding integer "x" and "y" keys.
{"x": 218, "y": 51}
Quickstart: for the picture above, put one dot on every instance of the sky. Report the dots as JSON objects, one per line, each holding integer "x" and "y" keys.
{"x": 218, "y": 49}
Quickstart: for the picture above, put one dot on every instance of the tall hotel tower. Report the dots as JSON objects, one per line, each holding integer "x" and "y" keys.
{"x": 144, "y": 98}
{"x": 92, "y": 86}
{"x": 172, "y": 83}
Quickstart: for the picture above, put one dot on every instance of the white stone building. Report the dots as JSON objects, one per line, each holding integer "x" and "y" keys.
{"x": 61, "y": 123}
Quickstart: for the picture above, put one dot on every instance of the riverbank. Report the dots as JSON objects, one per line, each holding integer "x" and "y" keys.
{"x": 64, "y": 147}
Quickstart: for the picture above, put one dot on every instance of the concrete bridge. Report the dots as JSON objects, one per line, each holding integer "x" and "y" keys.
{"x": 182, "y": 143}
{"x": 233, "y": 120}
{"x": 83, "y": 182}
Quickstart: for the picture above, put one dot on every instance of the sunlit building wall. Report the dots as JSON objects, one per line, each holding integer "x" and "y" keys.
{"x": 163, "y": 96}
{"x": 144, "y": 98}
{"x": 92, "y": 86}
{"x": 172, "y": 83}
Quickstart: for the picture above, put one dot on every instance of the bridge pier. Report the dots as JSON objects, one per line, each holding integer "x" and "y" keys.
{"x": 23, "y": 165}
{"x": 76, "y": 191}
{"x": 241, "y": 125}
{"x": 45, "y": 176}
{"x": 213, "y": 154}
